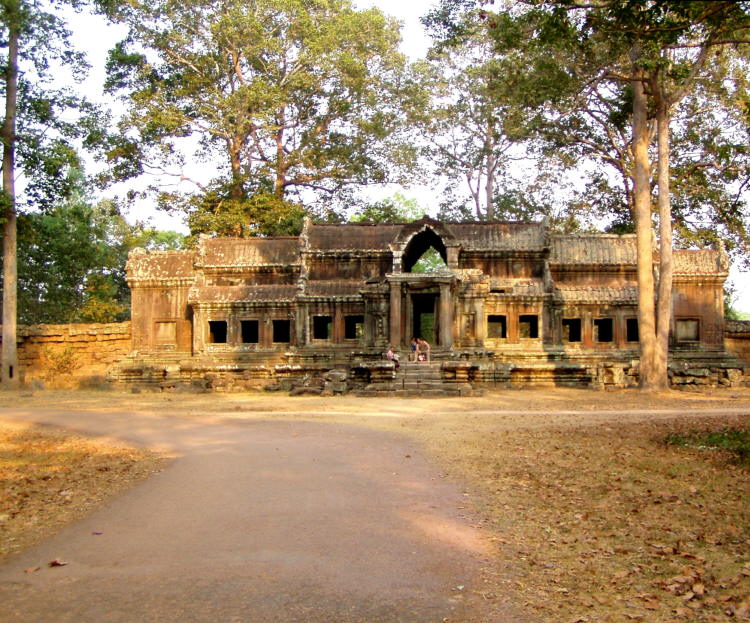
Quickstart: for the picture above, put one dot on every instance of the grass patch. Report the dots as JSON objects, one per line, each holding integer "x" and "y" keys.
{"x": 49, "y": 477}
{"x": 735, "y": 441}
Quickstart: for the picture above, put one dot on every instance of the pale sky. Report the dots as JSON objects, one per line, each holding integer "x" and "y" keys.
{"x": 97, "y": 38}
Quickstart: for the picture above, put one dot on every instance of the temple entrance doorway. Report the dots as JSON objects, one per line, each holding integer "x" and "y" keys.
{"x": 424, "y": 309}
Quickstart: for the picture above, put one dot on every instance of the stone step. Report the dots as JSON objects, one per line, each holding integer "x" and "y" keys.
{"x": 423, "y": 386}
{"x": 428, "y": 393}
{"x": 425, "y": 377}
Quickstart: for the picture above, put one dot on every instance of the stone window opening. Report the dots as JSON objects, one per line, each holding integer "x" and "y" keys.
{"x": 687, "y": 330}
{"x": 282, "y": 333}
{"x": 631, "y": 330}
{"x": 249, "y": 331}
{"x": 528, "y": 326}
{"x": 571, "y": 329}
{"x": 217, "y": 331}
{"x": 354, "y": 327}
{"x": 497, "y": 327}
{"x": 603, "y": 330}
{"x": 322, "y": 327}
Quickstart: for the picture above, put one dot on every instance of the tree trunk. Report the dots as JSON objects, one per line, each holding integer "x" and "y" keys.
{"x": 10, "y": 372}
{"x": 664, "y": 302}
{"x": 490, "y": 186}
{"x": 234, "y": 146}
{"x": 644, "y": 236}
{"x": 279, "y": 186}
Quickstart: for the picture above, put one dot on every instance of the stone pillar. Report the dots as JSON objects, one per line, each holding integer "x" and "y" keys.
{"x": 338, "y": 324}
{"x": 199, "y": 330}
{"x": 266, "y": 331}
{"x": 619, "y": 329}
{"x": 481, "y": 321}
{"x": 512, "y": 328}
{"x": 446, "y": 316}
{"x": 369, "y": 328}
{"x": 587, "y": 329}
{"x": 301, "y": 325}
{"x": 395, "y": 317}
{"x": 452, "y": 253}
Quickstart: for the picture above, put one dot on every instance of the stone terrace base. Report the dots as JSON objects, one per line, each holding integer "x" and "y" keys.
{"x": 450, "y": 373}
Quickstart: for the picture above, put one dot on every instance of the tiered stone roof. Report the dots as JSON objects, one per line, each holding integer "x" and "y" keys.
{"x": 159, "y": 265}
{"x": 248, "y": 252}
{"x": 500, "y": 236}
{"x": 596, "y": 294}
{"x": 701, "y": 262}
{"x": 591, "y": 249}
{"x": 234, "y": 294}
{"x": 235, "y": 255}
{"x": 333, "y": 289}
{"x": 351, "y": 237}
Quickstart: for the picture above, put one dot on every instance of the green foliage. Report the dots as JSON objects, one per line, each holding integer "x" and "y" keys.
{"x": 730, "y": 313}
{"x": 52, "y": 120}
{"x": 395, "y": 209}
{"x": 71, "y": 261}
{"x": 430, "y": 263}
{"x": 262, "y": 214}
{"x": 735, "y": 441}
{"x": 298, "y": 102}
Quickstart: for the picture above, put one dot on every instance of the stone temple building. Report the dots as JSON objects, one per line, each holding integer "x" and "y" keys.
{"x": 515, "y": 303}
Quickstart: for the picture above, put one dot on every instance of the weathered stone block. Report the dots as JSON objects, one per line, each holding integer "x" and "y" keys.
{"x": 702, "y": 372}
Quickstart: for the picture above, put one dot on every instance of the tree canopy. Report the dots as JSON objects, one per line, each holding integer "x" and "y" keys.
{"x": 296, "y": 101}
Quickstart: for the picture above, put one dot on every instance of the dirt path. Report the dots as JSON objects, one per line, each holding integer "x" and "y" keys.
{"x": 259, "y": 521}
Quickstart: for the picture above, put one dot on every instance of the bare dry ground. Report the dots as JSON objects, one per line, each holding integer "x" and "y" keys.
{"x": 601, "y": 520}
{"x": 49, "y": 477}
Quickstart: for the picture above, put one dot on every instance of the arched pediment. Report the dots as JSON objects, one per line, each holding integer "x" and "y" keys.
{"x": 416, "y": 238}
{"x": 418, "y": 245}
{"x": 410, "y": 230}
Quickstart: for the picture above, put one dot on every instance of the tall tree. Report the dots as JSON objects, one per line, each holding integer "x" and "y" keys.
{"x": 632, "y": 60}
{"x": 668, "y": 44}
{"x": 14, "y": 22}
{"x": 37, "y": 132}
{"x": 297, "y": 99}
{"x": 467, "y": 131}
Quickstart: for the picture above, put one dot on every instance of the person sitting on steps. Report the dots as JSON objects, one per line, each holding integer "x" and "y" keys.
{"x": 393, "y": 356}
{"x": 423, "y": 350}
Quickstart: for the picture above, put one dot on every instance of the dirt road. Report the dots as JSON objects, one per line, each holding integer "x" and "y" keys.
{"x": 259, "y": 521}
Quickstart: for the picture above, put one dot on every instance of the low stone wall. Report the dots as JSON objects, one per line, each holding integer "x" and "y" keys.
{"x": 65, "y": 354}
{"x": 737, "y": 338}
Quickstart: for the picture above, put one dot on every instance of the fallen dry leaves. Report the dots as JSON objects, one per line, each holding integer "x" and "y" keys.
{"x": 606, "y": 523}
{"x": 48, "y": 477}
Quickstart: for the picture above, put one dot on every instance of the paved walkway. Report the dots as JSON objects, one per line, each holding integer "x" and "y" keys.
{"x": 259, "y": 521}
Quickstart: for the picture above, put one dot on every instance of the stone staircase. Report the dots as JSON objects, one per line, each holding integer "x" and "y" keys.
{"x": 419, "y": 380}
{"x": 423, "y": 377}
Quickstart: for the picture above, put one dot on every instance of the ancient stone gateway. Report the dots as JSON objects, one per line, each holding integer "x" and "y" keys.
{"x": 514, "y": 303}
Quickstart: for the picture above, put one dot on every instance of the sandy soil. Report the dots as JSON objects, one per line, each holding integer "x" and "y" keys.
{"x": 581, "y": 401}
